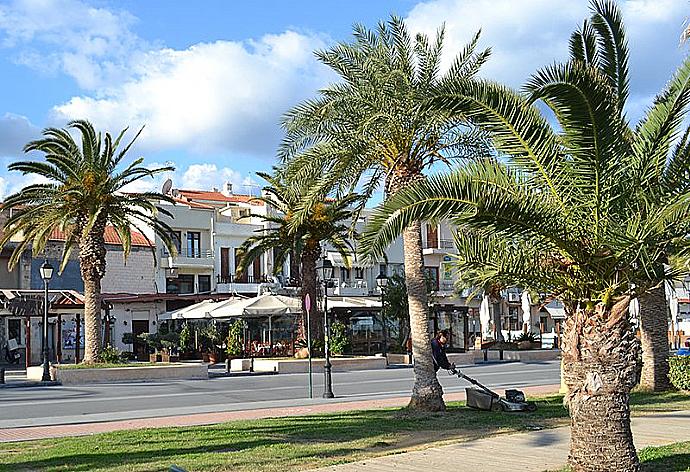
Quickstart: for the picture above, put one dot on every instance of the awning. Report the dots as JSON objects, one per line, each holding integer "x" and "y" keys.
{"x": 263, "y": 305}
{"x": 197, "y": 311}
{"x": 338, "y": 260}
{"x": 352, "y": 303}
{"x": 557, "y": 313}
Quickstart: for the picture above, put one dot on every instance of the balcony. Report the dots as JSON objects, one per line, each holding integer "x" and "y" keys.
{"x": 357, "y": 288}
{"x": 246, "y": 283}
{"x": 196, "y": 259}
{"x": 438, "y": 246}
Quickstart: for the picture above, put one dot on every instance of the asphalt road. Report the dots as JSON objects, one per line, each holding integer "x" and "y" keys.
{"x": 117, "y": 401}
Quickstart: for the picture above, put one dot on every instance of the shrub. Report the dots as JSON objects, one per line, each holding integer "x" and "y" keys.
{"x": 128, "y": 338}
{"x": 339, "y": 342}
{"x": 529, "y": 336}
{"x": 234, "y": 340}
{"x": 679, "y": 372}
{"x": 186, "y": 338}
{"x": 111, "y": 355}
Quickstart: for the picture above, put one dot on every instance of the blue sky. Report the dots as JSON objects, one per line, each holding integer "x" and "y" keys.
{"x": 211, "y": 79}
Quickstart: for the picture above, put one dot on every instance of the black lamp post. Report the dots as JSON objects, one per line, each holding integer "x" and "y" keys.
{"x": 46, "y": 274}
{"x": 327, "y": 275}
{"x": 381, "y": 282}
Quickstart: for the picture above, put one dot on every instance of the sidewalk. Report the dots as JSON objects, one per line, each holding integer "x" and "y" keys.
{"x": 318, "y": 406}
{"x": 535, "y": 451}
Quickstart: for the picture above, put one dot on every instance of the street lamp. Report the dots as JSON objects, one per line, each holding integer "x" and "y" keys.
{"x": 381, "y": 282}
{"x": 46, "y": 274}
{"x": 327, "y": 275}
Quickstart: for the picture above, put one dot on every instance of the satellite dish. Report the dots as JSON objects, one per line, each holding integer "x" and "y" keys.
{"x": 167, "y": 185}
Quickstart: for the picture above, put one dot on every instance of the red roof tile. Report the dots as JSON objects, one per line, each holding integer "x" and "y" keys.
{"x": 111, "y": 237}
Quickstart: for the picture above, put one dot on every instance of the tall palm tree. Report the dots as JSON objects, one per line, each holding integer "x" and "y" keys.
{"x": 327, "y": 223}
{"x": 83, "y": 194}
{"x": 601, "y": 44}
{"x": 562, "y": 212}
{"x": 373, "y": 130}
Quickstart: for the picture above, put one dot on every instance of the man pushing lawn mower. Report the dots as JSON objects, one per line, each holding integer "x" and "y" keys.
{"x": 481, "y": 397}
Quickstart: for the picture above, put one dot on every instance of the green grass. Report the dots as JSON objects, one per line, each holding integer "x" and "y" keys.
{"x": 281, "y": 444}
{"x": 103, "y": 365}
{"x": 670, "y": 458}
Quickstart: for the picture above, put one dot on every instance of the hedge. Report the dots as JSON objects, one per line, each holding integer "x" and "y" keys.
{"x": 679, "y": 372}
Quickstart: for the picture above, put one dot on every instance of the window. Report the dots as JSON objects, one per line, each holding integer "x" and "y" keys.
{"x": 383, "y": 269}
{"x": 204, "y": 283}
{"x": 432, "y": 276}
{"x": 359, "y": 273}
{"x": 344, "y": 274}
{"x": 183, "y": 283}
{"x": 193, "y": 244}
{"x": 177, "y": 240}
{"x": 14, "y": 330}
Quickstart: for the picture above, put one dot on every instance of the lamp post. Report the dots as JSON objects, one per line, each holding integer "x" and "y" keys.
{"x": 327, "y": 275}
{"x": 381, "y": 282}
{"x": 46, "y": 274}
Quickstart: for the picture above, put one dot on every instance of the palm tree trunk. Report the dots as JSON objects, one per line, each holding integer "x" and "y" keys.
{"x": 310, "y": 254}
{"x": 600, "y": 353}
{"x": 654, "y": 331}
{"x": 92, "y": 264}
{"x": 427, "y": 394}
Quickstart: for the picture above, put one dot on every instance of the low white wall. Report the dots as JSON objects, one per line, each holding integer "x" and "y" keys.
{"x": 122, "y": 374}
{"x": 301, "y": 365}
{"x": 522, "y": 356}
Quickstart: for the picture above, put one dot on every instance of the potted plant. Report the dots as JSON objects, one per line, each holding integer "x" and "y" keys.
{"x": 208, "y": 337}
{"x": 186, "y": 342}
{"x": 234, "y": 340}
{"x": 153, "y": 344}
{"x": 169, "y": 343}
{"x": 527, "y": 341}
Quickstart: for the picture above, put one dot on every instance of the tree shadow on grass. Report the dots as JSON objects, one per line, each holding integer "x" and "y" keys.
{"x": 673, "y": 463}
{"x": 276, "y": 442}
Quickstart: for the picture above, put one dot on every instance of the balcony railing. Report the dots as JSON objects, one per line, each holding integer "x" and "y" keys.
{"x": 193, "y": 254}
{"x": 439, "y": 244}
{"x": 245, "y": 279}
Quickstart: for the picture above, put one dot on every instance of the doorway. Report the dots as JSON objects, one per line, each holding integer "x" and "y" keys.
{"x": 140, "y": 350}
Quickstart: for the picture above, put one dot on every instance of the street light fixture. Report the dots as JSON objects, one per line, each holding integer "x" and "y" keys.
{"x": 46, "y": 274}
{"x": 381, "y": 282}
{"x": 326, "y": 276}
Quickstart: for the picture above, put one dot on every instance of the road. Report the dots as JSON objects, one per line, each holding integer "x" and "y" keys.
{"x": 35, "y": 406}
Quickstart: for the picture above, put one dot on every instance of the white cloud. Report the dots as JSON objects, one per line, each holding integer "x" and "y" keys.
{"x": 15, "y": 132}
{"x": 530, "y": 34}
{"x": 14, "y": 182}
{"x": 92, "y": 45}
{"x": 212, "y": 96}
{"x": 203, "y": 176}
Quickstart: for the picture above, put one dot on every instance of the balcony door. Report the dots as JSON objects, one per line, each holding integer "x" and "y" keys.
{"x": 242, "y": 279}
{"x": 193, "y": 244}
{"x": 225, "y": 265}
{"x": 431, "y": 236}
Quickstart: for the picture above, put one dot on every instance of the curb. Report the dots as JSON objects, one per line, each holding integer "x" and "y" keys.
{"x": 24, "y": 384}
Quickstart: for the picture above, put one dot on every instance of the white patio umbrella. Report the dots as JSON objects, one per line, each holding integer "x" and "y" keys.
{"x": 484, "y": 317}
{"x": 526, "y": 310}
{"x": 193, "y": 312}
{"x": 263, "y": 305}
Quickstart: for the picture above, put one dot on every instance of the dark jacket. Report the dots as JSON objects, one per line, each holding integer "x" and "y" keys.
{"x": 438, "y": 352}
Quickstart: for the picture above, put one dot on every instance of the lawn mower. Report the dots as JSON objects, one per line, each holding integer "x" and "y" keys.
{"x": 482, "y": 398}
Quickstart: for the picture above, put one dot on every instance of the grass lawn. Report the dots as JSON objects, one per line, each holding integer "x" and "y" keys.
{"x": 281, "y": 444}
{"x": 670, "y": 458}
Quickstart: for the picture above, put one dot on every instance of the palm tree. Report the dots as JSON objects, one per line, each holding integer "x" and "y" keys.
{"x": 569, "y": 213}
{"x": 372, "y": 130}
{"x": 83, "y": 194}
{"x": 303, "y": 242}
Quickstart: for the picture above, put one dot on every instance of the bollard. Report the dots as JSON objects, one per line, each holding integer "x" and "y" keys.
{"x": 486, "y": 355}
{"x": 500, "y": 354}
{"x": 2, "y": 375}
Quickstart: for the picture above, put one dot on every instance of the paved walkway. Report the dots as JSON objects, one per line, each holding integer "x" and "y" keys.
{"x": 534, "y": 451}
{"x": 318, "y": 406}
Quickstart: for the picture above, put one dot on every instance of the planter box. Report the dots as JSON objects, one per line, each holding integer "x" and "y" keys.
{"x": 461, "y": 358}
{"x": 536, "y": 355}
{"x": 340, "y": 364}
{"x": 122, "y": 374}
{"x": 240, "y": 365}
